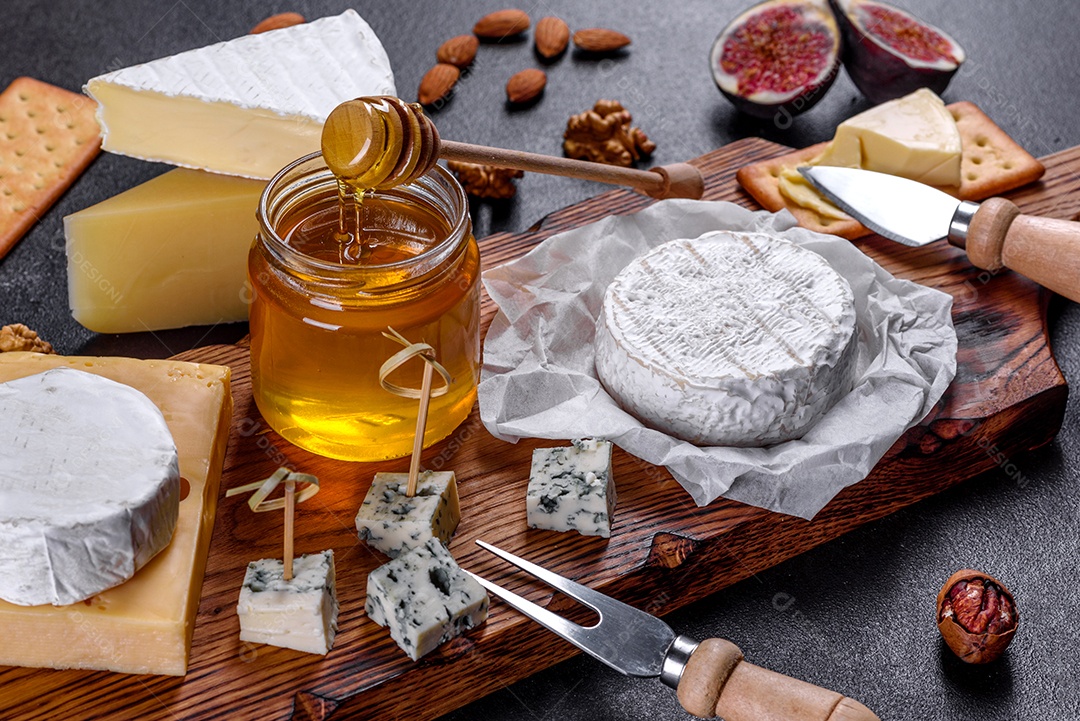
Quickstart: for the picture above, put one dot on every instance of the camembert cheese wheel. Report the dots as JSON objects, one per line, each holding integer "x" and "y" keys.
{"x": 733, "y": 339}
{"x": 89, "y": 486}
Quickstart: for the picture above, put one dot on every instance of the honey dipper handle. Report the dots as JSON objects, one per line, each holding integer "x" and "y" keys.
{"x": 718, "y": 682}
{"x": 679, "y": 180}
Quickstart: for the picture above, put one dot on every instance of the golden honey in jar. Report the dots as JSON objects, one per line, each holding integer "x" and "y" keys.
{"x": 320, "y": 310}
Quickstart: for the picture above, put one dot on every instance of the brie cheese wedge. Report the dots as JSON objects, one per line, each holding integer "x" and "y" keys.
{"x": 89, "y": 486}
{"x": 247, "y": 106}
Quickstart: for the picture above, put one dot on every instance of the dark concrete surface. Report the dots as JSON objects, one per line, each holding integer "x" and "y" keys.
{"x": 856, "y": 614}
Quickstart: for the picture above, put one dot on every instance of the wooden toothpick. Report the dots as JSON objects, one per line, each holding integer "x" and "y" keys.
{"x": 290, "y": 511}
{"x": 260, "y": 502}
{"x": 421, "y": 425}
{"x": 425, "y": 394}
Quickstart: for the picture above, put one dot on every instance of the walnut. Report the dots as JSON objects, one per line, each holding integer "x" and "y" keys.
{"x": 18, "y": 337}
{"x": 977, "y": 616}
{"x": 486, "y": 181}
{"x": 604, "y": 135}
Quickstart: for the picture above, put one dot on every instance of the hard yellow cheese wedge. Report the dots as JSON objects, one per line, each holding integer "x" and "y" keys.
{"x": 913, "y": 137}
{"x": 144, "y": 625}
{"x": 169, "y": 253}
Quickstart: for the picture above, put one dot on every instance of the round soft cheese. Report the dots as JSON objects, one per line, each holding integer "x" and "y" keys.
{"x": 734, "y": 339}
{"x": 89, "y": 486}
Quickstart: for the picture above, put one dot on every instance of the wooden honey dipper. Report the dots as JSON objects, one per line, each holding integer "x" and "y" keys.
{"x": 379, "y": 142}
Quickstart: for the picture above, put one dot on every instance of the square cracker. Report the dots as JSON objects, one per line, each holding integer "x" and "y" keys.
{"x": 991, "y": 163}
{"x": 48, "y": 136}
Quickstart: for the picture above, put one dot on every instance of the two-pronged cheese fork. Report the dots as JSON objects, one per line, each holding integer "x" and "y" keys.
{"x": 711, "y": 678}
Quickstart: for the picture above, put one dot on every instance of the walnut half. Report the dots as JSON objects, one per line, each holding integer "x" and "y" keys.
{"x": 17, "y": 337}
{"x": 604, "y": 135}
{"x": 485, "y": 181}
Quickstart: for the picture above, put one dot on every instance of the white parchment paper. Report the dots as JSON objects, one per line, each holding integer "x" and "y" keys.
{"x": 538, "y": 379}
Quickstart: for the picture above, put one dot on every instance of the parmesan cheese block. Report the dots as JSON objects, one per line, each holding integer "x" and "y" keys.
{"x": 143, "y": 625}
{"x": 169, "y": 253}
{"x": 736, "y": 339}
{"x": 247, "y": 106}
{"x": 89, "y": 486}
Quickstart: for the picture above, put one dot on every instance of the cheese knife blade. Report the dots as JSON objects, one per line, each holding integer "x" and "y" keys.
{"x": 994, "y": 233}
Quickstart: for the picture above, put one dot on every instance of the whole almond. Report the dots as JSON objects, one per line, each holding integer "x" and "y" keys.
{"x": 459, "y": 50}
{"x": 437, "y": 83}
{"x": 276, "y": 22}
{"x": 552, "y": 36}
{"x": 600, "y": 40}
{"x": 501, "y": 24}
{"x": 526, "y": 85}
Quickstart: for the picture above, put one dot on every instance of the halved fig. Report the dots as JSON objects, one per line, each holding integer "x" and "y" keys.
{"x": 777, "y": 59}
{"x": 889, "y": 52}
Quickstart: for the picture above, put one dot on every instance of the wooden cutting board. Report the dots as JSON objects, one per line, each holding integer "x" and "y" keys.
{"x": 1008, "y": 397}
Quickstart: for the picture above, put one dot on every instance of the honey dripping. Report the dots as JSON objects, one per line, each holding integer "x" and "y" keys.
{"x": 352, "y": 243}
{"x": 385, "y": 242}
{"x": 370, "y": 144}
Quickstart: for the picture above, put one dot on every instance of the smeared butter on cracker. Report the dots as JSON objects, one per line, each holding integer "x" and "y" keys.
{"x": 913, "y": 137}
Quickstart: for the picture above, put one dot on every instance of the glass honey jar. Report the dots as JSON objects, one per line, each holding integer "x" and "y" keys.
{"x": 319, "y": 314}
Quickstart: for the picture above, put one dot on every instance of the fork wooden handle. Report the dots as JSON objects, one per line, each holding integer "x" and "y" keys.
{"x": 718, "y": 682}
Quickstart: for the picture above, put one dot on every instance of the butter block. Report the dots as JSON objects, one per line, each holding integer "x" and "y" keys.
{"x": 144, "y": 625}
{"x": 168, "y": 253}
{"x": 393, "y": 522}
{"x": 572, "y": 489}
{"x": 247, "y": 106}
{"x": 300, "y": 613}
{"x": 793, "y": 186}
{"x": 425, "y": 599}
{"x": 914, "y": 137}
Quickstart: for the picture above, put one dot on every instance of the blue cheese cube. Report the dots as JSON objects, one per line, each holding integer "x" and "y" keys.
{"x": 300, "y": 613}
{"x": 572, "y": 489}
{"x": 424, "y": 599}
{"x": 394, "y": 523}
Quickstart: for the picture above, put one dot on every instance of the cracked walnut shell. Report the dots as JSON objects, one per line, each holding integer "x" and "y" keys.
{"x": 485, "y": 181}
{"x": 604, "y": 135}
{"x": 976, "y": 615}
{"x": 17, "y": 337}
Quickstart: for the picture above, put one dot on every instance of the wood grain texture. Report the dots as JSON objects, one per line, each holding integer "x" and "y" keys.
{"x": 664, "y": 553}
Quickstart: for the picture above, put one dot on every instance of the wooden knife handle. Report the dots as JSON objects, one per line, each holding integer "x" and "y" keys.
{"x": 718, "y": 682}
{"x": 1047, "y": 250}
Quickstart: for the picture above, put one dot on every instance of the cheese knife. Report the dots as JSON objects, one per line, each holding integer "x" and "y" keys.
{"x": 710, "y": 678}
{"x": 994, "y": 233}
